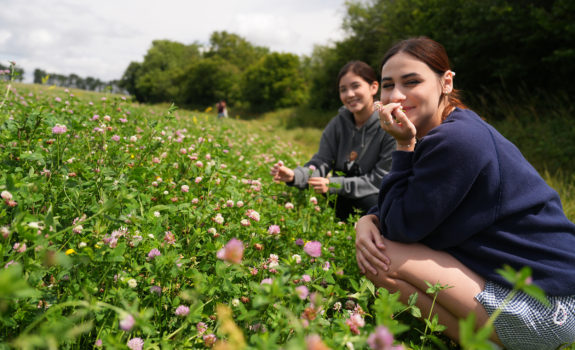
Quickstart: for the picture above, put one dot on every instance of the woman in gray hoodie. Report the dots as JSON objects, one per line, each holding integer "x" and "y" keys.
{"x": 353, "y": 147}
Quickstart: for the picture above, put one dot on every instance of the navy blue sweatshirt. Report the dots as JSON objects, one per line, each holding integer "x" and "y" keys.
{"x": 470, "y": 192}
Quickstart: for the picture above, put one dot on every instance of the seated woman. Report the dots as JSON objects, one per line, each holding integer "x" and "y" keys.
{"x": 352, "y": 143}
{"x": 460, "y": 202}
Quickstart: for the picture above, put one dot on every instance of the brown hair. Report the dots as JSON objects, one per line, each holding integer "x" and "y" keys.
{"x": 434, "y": 55}
{"x": 360, "y": 68}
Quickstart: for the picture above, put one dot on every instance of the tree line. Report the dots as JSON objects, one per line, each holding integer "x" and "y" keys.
{"x": 513, "y": 46}
{"x": 77, "y": 82}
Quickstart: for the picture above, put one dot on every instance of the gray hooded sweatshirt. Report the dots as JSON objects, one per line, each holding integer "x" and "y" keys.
{"x": 340, "y": 140}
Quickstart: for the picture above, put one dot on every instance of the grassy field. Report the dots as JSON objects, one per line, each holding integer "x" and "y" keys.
{"x": 143, "y": 227}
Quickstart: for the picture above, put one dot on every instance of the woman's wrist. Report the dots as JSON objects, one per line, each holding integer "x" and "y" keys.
{"x": 406, "y": 145}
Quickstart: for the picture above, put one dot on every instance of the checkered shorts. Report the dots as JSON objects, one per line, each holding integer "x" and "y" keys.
{"x": 525, "y": 323}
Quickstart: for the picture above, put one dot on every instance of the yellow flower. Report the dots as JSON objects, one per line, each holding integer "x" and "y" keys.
{"x": 132, "y": 156}
{"x": 70, "y": 251}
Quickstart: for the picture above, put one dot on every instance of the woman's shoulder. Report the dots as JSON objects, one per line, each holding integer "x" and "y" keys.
{"x": 463, "y": 130}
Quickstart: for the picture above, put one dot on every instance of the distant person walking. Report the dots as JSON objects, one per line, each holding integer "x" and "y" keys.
{"x": 222, "y": 109}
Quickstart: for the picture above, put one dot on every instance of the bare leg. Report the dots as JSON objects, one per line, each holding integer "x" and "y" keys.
{"x": 413, "y": 264}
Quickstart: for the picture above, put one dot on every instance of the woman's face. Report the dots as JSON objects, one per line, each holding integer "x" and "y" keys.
{"x": 410, "y": 82}
{"x": 357, "y": 94}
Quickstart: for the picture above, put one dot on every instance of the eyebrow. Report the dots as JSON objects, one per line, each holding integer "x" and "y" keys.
{"x": 405, "y": 76}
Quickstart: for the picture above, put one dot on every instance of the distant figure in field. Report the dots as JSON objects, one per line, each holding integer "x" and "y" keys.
{"x": 459, "y": 203}
{"x": 222, "y": 109}
{"x": 353, "y": 146}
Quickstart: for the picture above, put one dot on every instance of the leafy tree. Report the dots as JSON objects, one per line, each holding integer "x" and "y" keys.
{"x": 497, "y": 44}
{"x": 234, "y": 49}
{"x": 209, "y": 80}
{"x": 163, "y": 66}
{"x": 274, "y": 82}
{"x": 128, "y": 80}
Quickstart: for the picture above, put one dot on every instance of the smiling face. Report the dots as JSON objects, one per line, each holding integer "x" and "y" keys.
{"x": 419, "y": 90}
{"x": 357, "y": 95}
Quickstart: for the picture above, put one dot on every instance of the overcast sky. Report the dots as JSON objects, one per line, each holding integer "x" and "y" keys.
{"x": 99, "y": 38}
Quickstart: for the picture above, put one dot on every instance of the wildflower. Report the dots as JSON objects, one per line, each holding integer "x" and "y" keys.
{"x": 337, "y": 306}
{"x": 313, "y": 248}
{"x": 230, "y": 203}
{"x": 355, "y": 321}
{"x": 299, "y": 242}
{"x": 98, "y": 343}
{"x": 127, "y": 322}
{"x": 302, "y": 292}
{"x": 19, "y": 247}
{"x": 232, "y": 252}
{"x": 306, "y": 278}
{"x": 201, "y": 327}
{"x": 313, "y": 200}
{"x": 209, "y": 340}
{"x": 239, "y": 204}
{"x": 273, "y": 260}
{"x": 266, "y": 281}
{"x": 59, "y": 129}
{"x": 6, "y": 195}
{"x": 296, "y": 258}
{"x": 274, "y": 230}
{"x": 185, "y": 188}
{"x": 289, "y": 206}
{"x": 133, "y": 138}
{"x": 78, "y": 229}
{"x": 244, "y": 222}
{"x": 70, "y": 251}
{"x": 198, "y": 179}
{"x": 219, "y": 219}
{"x": 153, "y": 253}
{"x": 132, "y": 283}
{"x": 169, "y": 238}
{"x": 254, "y": 215}
{"x": 156, "y": 290}
{"x": 157, "y": 214}
{"x": 199, "y": 164}
{"x": 107, "y": 118}
{"x": 182, "y": 311}
{"x": 314, "y": 342}
{"x": 382, "y": 339}
{"x": 326, "y": 266}
{"x": 135, "y": 343}
{"x": 5, "y": 232}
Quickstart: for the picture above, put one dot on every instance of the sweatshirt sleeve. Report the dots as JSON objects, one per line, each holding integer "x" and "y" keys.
{"x": 425, "y": 187}
{"x": 368, "y": 183}
{"x": 323, "y": 160}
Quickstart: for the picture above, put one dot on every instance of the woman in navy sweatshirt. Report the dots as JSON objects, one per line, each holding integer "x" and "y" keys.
{"x": 459, "y": 203}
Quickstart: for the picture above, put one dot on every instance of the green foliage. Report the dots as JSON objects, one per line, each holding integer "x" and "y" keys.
{"x": 511, "y": 39}
{"x": 235, "y": 50}
{"x": 274, "y": 82}
{"x": 158, "y": 76}
{"x": 210, "y": 80}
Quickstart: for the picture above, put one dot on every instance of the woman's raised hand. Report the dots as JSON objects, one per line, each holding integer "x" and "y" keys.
{"x": 281, "y": 173}
{"x": 394, "y": 121}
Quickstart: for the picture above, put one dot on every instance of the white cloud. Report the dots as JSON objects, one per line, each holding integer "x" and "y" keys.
{"x": 99, "y": 38}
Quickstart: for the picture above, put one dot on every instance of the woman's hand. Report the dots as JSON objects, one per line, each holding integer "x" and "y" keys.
{"x": 319, "y": 184}
{"x": 369, "y": 246}
{"x": 394, "y": 121}
{"x": 281, "y": 172}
